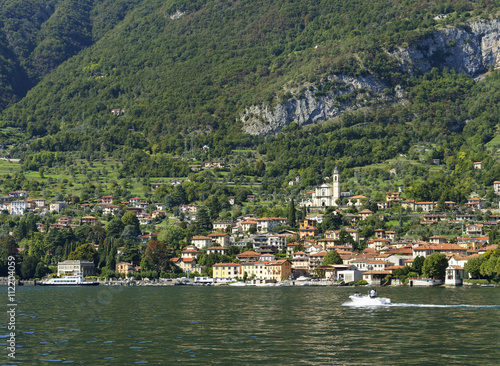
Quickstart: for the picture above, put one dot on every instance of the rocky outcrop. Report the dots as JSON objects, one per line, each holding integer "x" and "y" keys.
{"x": 350, "y": 94}
{"x": 471, "y": 49}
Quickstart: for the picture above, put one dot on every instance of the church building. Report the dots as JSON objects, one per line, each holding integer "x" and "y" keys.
{"x": 326, "y": 195}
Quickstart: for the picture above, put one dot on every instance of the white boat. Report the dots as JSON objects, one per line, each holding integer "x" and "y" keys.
{"x": 68, "y": 281}
{"x": 237, "y": 284}
{"x": 265, "y": 284}
{"x": 369, "y": 301}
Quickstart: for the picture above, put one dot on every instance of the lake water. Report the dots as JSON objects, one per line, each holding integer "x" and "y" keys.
{"x": 252, "y": 326}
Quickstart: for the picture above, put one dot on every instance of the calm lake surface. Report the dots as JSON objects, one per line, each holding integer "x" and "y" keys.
{"x": 252, "y": 326}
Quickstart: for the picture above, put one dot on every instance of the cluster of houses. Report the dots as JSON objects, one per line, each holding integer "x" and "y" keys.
{"x": 305, "y": 254}
{"x": 373, "y": 265}
{"x": 304, "y": 250}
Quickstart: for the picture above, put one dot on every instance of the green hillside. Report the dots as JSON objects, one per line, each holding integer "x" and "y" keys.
{"x": 37, "y": 36}
{"x": 184, "y": 72}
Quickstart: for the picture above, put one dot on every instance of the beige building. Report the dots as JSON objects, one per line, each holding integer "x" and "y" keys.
{"x": 220, "y": 238}
{"x": 226, "y": 270}
{"x": 267, "y": 271}
{"x": 125, "y": 267}
{"x": 89, "y": 220}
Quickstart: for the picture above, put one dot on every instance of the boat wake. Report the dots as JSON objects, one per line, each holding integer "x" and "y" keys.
{"x": 352, "y": 304}
{"x": 459, "y": 306}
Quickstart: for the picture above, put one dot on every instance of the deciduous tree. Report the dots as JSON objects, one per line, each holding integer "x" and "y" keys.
{"x": 435, "y": 266}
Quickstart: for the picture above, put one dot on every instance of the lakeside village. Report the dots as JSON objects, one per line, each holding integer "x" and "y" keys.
{"x": 259, "y": 250}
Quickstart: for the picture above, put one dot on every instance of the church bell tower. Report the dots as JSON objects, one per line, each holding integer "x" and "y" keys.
{"x": 335, "y": 186}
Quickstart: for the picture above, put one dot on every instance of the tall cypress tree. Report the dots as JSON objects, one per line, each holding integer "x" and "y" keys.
{"x": 291, "y": 213}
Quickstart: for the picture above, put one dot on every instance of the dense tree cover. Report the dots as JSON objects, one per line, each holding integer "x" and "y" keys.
{"x": 484, "y": 266}
{"x": 37, "y": 36}
{"x": 8, "y": 248}
{"x": 186, "y": 73}
{"x": 435, "y": 266}
{"x": 117, "y": 242}
{"x": 332, "y": 258}
{"x": 84, "y": 252}
{"x": 200, "y": 68}
{"x": 473, "y": 266}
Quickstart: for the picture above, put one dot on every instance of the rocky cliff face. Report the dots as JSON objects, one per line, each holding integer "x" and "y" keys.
{"x": 350, "y": 94}
{"x": 471, "y": 49}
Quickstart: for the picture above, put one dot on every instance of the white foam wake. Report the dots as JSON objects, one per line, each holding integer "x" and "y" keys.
{"x": 458, "y": 306}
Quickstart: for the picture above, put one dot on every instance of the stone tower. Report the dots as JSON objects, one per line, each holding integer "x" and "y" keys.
{"x": 335, "y": 186}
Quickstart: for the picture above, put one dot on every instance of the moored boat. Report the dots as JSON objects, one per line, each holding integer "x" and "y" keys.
{"x": 68, "y": 281}
{"x": 237, "y": 284}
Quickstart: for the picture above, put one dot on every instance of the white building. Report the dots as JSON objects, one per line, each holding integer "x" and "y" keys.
{"x": 496, "y": 186}
{"x": 325, "y": 195}
{"x": 201, "y": 242}
{"x": 278, "y": 241}
{"x": 57, "y": 206}
{"x": 18, "y": 207}
{"x": 75, "y": 267}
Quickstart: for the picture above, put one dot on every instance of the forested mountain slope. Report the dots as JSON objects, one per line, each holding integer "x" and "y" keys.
{"x": 379, "y": 69}
{"x": 36, "y": 36}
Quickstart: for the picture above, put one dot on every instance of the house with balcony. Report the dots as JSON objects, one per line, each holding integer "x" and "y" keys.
{"x": 89, "y": 220}
{"x": 107, "y": 200}
{"x": 221, "y": 239}
{"x": 300, "y": 264}
{"x": 393, "y": 196}
{"x": 201, "y": 242}
{"x": 218, "y": 250}
{"x": 76, "y": 267}
{"x": 315, "y": 260}
{"x": 277, "y": 240}
{"x": 474, "y": 229}
{"x": 18, "y": 207}
{"x": 227, "y": 270}
{"x": 308, "y": 231}
{"x": 248, "y": 256}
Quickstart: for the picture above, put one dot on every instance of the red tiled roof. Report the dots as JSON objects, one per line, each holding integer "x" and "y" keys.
{"x": 248, "y": 254}
{"x": 227, "y": 265}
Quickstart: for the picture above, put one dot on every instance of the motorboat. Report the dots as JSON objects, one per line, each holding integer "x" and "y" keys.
{"x": 367, "y": 300}
{"x": 68, "y": 281}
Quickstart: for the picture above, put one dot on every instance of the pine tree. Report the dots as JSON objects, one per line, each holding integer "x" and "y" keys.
{"x": 202, "y": 223}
